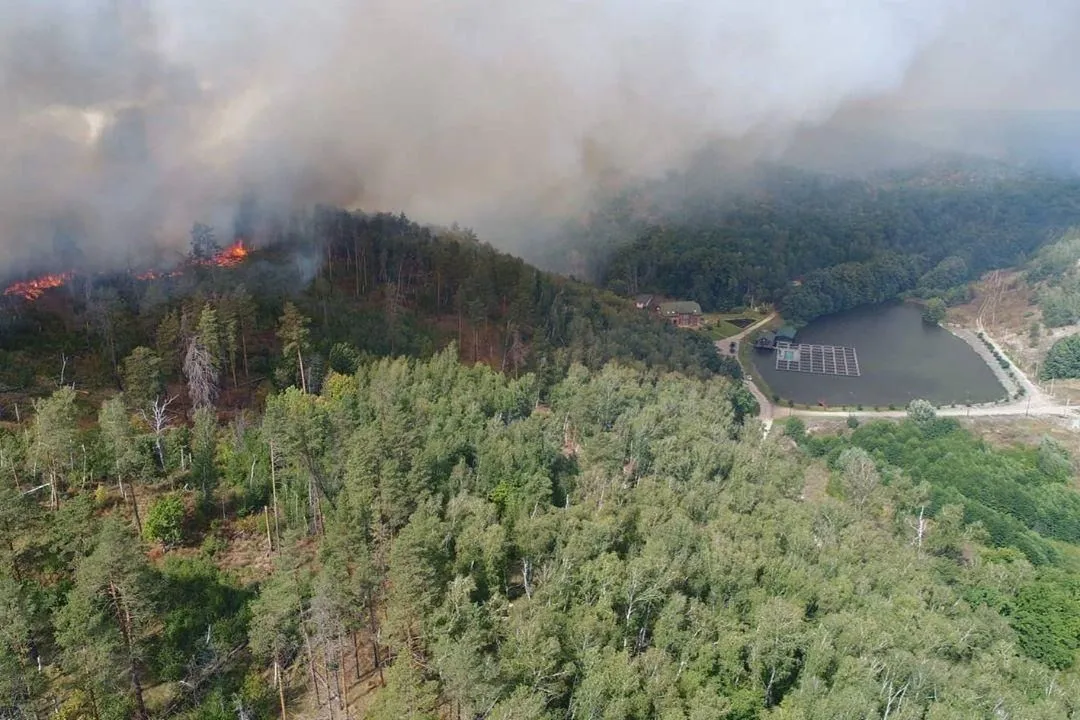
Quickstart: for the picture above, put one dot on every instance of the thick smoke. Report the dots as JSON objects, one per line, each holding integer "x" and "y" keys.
{"x": 123, "y": 121}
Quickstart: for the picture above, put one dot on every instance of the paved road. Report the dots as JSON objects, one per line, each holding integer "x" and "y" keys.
{"x": 1035, "y": 402}
{"x": 765, "y": 412}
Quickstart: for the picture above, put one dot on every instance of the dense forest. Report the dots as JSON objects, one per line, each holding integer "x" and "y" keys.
{"x": 264, "y": 491}
{"x": 424, "y": 539}
{"x": 815, "y": 244}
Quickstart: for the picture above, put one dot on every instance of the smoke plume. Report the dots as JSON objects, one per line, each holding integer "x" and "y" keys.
{"x": 124, "y": 121}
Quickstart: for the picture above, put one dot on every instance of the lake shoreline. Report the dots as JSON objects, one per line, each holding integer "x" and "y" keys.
{"x": 1008, "y": 384}
{"x": 901, "y": 357}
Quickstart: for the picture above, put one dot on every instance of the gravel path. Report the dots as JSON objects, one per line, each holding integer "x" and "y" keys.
{"x": 765, "y": 412}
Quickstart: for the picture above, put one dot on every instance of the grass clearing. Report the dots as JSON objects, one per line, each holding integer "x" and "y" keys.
{"x": 721, "y": 326}
{"x": 721, "y": 329}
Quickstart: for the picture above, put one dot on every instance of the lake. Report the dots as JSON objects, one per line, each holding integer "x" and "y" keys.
{"x": 901, "y": 358}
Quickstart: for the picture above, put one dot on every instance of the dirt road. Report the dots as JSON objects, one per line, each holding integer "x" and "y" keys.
{"x": 765, "y": 411}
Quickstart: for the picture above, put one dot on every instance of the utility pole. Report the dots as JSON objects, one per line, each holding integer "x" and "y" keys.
{"x": 1026, "y": 409}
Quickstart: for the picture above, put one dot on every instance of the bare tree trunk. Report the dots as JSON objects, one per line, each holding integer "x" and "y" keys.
{"x": 343, "y": 683}
{"x": 356, "y": 654}
{"x": 303, "y": 375}
{"x": 311, "y": 658}
{"x": 281, "y": 687}
{"x": 329, "y": 687}
{"x": 140, "y": 703}
{"x": 93, "y": 705}
{"x": 269, "y": 537}
{"x": 15, "y": 562}
{"x": 134, "y": 503}
{"x": 374, "y": 629}
{"x": 356, "y": 268}
{"x": 273, "y": 490}
{"x": 124, "y": 616}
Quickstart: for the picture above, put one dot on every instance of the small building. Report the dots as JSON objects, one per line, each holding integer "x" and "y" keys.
{"x": 643, "y": 302}
{"x": 685, "y": 313}
{"x": 766, "y": 339}
{"x": 786, "y": 334}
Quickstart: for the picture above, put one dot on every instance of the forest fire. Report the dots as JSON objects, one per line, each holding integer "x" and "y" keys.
{"x": 232, "y": 255}
{"x": 157, "y": 275}
{"x": 33, "y": 289}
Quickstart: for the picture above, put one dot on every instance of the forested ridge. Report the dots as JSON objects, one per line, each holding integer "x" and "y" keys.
{"x": 263, "y": 492}
{"x": 847, "y": 241}
{"x": 369, "y": 284}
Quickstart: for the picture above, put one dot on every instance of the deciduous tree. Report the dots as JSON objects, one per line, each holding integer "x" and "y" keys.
{"x": 53, "y": 436}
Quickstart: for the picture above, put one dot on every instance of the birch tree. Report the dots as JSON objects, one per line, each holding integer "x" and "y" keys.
{"x": 53, "y": 435}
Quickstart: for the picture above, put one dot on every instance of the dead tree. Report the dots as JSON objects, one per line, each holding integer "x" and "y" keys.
{"x": 158, "y": 420}
{"x": 202, "y": 374}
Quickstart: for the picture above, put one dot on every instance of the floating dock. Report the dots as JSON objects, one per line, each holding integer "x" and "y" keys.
{"x": 818, "y": 359}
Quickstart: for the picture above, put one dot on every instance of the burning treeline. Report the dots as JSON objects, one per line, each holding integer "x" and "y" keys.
{"x": 34, "y": 288}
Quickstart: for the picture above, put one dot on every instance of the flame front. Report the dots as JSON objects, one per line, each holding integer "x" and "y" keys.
{"x": 33, "y": 289}
{"x": 232, "y": 255}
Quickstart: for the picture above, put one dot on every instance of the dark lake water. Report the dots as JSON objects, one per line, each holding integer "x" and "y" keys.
{"x": 900, "y": 356}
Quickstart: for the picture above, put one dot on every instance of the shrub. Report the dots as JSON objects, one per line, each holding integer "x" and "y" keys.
{"x": 934, "y": 312}
{"x": 344, "y": 359}
{"x": 165, "y": 521}
{"x": 852, "y": 422}
{"x": 795, "y": 429}
{"x": 1063, "y": 360}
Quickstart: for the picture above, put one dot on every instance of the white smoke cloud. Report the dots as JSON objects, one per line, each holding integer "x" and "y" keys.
{"x": 139, "y": 116}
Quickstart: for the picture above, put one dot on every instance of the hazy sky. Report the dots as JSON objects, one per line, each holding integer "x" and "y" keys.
{"x": 136, "y": 117}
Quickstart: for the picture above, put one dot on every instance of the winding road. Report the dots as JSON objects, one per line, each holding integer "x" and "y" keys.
{"x": 765, "y": 411}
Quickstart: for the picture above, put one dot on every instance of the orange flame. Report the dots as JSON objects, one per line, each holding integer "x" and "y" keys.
{"x": 232, "y": 255}
{"x": 33, "y": 289}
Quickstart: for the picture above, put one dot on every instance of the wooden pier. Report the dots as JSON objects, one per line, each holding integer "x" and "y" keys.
{"x": 818, "y": 359}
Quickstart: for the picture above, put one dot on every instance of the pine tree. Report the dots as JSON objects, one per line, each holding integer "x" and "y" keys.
{"x": 143, "y": 380}
{"x": 105, "y": 628}
{"x": 167, "y": 342}
{"x": 203, "y": 451}
{"x": 21, "y": 684}
{"x": 209, "y": 332}
{"x": 293, "y": 333}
